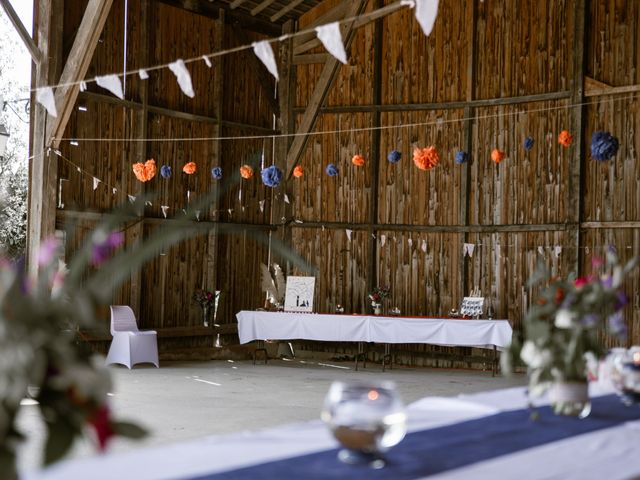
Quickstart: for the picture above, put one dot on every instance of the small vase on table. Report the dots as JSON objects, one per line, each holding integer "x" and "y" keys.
{"x": 377, "y": 308}
{"x": 570, "y": 398}
{"x": 205, "y": 316}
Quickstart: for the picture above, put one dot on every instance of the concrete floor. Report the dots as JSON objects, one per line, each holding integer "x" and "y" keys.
{"x": 183, "y": 400}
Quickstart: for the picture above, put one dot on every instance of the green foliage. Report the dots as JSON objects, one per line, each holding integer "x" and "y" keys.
{"x": 561, "y": 329}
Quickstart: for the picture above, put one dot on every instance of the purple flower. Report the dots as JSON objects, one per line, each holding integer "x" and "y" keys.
{"x": 617, "y": 325}
{"x": 461, "y": 157}
{"x": 103, "y": 246}
{"x": 332, "y": 170}
{"x": 47, "y": 251}
{"x": 216, "y": 172}
{"x": 590, "y": 320}
{"x": 596, "y": 261}
{"x": 271, "y": 176}
{"x": 528, "y": 143}
{"x": 394, "y": 156}
{"x": 603, "y": 146}
{"x": 165, "y": 171}
{"x": 621, "y": 300}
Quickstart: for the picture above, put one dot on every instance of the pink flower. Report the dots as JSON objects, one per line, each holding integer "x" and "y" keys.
{"x": 47, "y": 251}
{"x": 102, "y": 248}
{"x": 581, "y": 282}
{"x": 596, "y": 261}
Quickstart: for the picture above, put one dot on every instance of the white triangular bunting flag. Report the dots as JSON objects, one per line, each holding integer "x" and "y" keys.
{"x": 349, "y": 232}
{"x": 286, "y": 198}
{"x": 410, "y": 242}
{"x": 264, "y": 52}
{"x": 132, "y": 199}
{"x": 198, "y": 215}
{"x": 96, "y": 181}
{"x": 83, "y": 86}
{"x": 111, "y": 83}
{"x": 164, "y": 209}
{"x": 230, "y": 211}
{"x": 426, "y": 12}
{"x": 261, "y": 203}
{"x": 142, "y": 73}
{"x": 44, "y": 96}
{"x": 331, "y": 38}
{"x": 541, "y": 250}
{"x": 148, "y": 203}
{"x": 383, "y": 240}
{"x": 323, "y": 228}
{"x": 114, "y": 190}
{"x": 557, "y": 250}
{"x": 78, "y": 168}
{"x": 188, "y": 195}
{"x": 206, "y": 60}
{"x": 424, "y": 246}
{"x": 467, "y": 249}
{"x": 184, "y": 78}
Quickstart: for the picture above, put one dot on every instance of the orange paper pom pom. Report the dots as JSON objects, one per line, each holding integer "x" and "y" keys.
{"x": 565, "y": 138}
{"x": 497, "y": 155}
{"x": 426, "y": 158}
{"x": 246, "y": 171}
{"x": 145, "y": 171}
{"x": 189, "y": 168}
{"x": 358, "y": 160}
{"x": 298, "y": 171}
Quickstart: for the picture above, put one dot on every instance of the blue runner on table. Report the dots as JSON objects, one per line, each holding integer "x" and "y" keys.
{"x": 436, "y": 450}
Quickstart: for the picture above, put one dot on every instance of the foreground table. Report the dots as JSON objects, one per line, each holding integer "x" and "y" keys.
{"x": 482, "y": 436}
{"x": 259, "y": 325}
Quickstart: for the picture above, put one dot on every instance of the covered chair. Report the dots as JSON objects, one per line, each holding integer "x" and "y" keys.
{"x": 130, "y": 345}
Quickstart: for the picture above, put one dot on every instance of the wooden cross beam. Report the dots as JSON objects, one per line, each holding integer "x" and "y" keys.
{"x": 22, "y": 31}
{"x": 320, "y": 92}
{"x": 77, "y": 65}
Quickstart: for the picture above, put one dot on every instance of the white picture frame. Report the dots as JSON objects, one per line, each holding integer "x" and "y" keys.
{"x": 472, "y": 307}
{"x": 298, "y": 295}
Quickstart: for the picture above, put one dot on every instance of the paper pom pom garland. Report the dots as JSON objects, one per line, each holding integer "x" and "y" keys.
{"x": 358, "y": 160}
{"x": 145, "y": 171}
{"x": 426, "y": 158}
{"x": 497, "y": 155}
{"x": 271, "y": 176}
{"x": 461, "y": 157}
{"x": 246, "y": 172}
{"x": 332, "y": 170}
{"x": 216, "y": 173}
{"x": 394, "y": 156}
{"x": 165, "y": 171}
{"x": 604, "y": 146}
{"x": 189, "y": 168}
{"x": 565, "y": 138}
{"x": 528, "y": 143}
{"x": 298, "y": 171}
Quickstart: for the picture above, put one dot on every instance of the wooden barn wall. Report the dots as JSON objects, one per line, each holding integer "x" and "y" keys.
{"x": 490, "y": 74}
{"x": 479, "y": 55}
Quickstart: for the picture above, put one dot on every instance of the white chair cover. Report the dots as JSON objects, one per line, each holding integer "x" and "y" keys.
{"x": 130, "y": 345}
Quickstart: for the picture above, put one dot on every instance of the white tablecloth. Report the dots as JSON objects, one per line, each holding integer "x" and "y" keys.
{"x": 611, "y": 453}
{"x": 256, "y": 325}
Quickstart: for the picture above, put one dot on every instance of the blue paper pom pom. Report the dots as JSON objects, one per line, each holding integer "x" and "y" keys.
{"x": 528, "y": 143}
{"x": 332, "y": 170}
{"x": 394, "y": 156}
{"x": 165, "y": 171}
{"x": 461, "y": 157}
{"x": 271, "y": 176}
{"x": 216, "y": 172}
{"x": 603, "y": 146}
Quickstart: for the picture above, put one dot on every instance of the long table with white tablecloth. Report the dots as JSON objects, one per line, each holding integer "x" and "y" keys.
{"x": 607, "y": 447}
{"x": 260, "y": 325}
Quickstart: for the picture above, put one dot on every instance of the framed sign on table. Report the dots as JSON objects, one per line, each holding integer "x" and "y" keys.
{"x": 472, "y": 306}
{"x": 298, "y": 295}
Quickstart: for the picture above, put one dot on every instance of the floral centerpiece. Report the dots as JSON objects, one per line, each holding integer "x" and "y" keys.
{"x": 377, "y": 295}
{"x": 207, "y": 301}
{"x": 561, "y": 331}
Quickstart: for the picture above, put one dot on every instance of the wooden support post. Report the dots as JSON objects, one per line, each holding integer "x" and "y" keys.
{"x": 211, "y": 276}
{"x": 136, "y": 232}
{"x": 575, "y": 188}
{"x": 467, "y": 139}
{"x": 374, "y": 161}
{"x": 320, "y": 93}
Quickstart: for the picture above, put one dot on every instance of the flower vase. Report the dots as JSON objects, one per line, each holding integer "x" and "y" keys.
{"x": 205, "y": 316}
{"x": 377, "y": 308}
{"x": 570, "y": 398}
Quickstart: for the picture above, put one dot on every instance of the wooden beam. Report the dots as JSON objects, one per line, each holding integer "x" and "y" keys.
{"x": 336, "y": 13}
{"x": 360, "y": 22}
{"x": 39, "y": 227}
{"x": 503, "y": 228}
{"x": 261, "y": 7}
{"x": 95, "y": 16}
{"x": 574, "y": 193}
{"x": 594, "y": 88}
{"x": 267, "y": 82}
{"x": 22, "y": 31}
{"x": 293, "y": 4}
{"x": 237, "y": 3}
{"x": 413, "y": 107}
{"x": 309, "y": 58}
{"x": 320, "y": 93}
